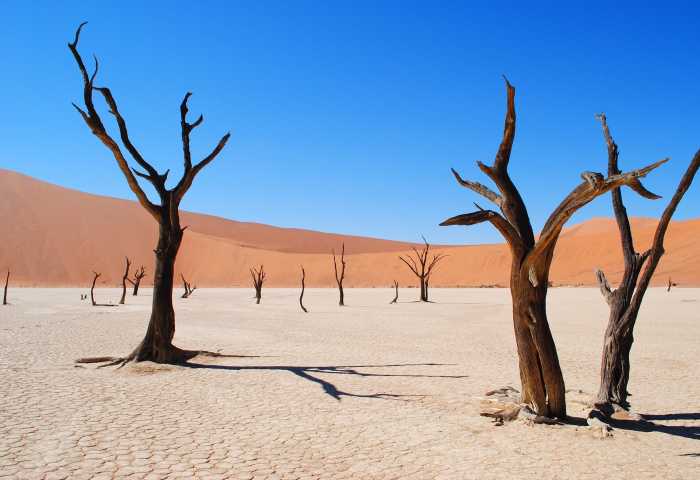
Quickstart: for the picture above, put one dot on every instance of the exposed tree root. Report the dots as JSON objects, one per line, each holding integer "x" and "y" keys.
{"x": 176, "y": 356}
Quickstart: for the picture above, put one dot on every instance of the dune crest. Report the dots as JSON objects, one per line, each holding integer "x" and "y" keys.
{"x": 54, "y": 236}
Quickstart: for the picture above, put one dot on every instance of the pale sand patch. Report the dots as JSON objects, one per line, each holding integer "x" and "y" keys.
{"x": 406, "y": 375}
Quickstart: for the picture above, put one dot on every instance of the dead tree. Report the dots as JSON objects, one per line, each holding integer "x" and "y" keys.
{"x": 671, "y": 283}
{"x": 136, "y": 282}
{"x": 339, "y": 278}
{"x": 124, "y": 279}
{"x": 7, "y": 281}
{"x": 301, "y": 295}
{"x": 396, "y": 296}
{"x": 422, "y": 266}
{"x": 540, "y": 374}
{"x": 157, "y": 343}
{"x": 189, "y": 289}
{"x": 258, "y": 280}
{"x": 92, "y": 292}
{"x": 626, "y": 299}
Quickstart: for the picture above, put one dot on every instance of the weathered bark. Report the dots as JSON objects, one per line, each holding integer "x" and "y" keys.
{"x": 340, "y": 277}
{"x": 303, "y": 286}
{"x": 396, "y": 296}
{"x": 4, "y": 293}
{"x": 542, "y": 380}
{"x": 157, "y": 343}
{"x": 136, "y": 282}
{"x": 625, "y": 301}
{"x": 422, "y": 266}
{"x": 258, "y": 280}
{"x": 124, "y": 279}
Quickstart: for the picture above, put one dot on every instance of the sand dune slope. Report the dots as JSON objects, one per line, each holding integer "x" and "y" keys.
{"x": 53, "y": 236}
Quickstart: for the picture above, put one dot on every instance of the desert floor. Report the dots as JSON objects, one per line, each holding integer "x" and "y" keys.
{"x": 368, "y": 391}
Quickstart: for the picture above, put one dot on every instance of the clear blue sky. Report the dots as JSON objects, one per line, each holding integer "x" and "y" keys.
{"x": 346, "y": 116}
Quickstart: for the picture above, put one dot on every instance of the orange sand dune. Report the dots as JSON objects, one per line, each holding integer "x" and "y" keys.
{"x": 53, "y": 236}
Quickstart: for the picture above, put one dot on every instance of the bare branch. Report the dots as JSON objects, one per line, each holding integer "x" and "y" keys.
{"x": 479, "y": 188}
{"x": 93, "y": 121}
{"x": 593, "y": 186}
{"x": 501, "y": 224}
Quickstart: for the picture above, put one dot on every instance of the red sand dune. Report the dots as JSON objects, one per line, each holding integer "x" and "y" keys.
{"x": 53, "y": 236}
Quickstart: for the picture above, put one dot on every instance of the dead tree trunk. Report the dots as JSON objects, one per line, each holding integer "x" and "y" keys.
{"x": 258, "y": 279}
{"x": 626, "y": 300}
{"x": 339, "y": 278}
{"x": 189, "y": 289}
{"x": 540, "y": 374}
{"x": 671, "y": 283}
{"x": 136, "y": 282}
{"x": 124, "y": 279}
{"x": 301, "y": 295}
{"x": 157, "y": 344}
{"x": 7, "y": 281}
{"x": 92, "y": 288}
{"x": 396, "y": 296}
{"x": 422, "y": 267}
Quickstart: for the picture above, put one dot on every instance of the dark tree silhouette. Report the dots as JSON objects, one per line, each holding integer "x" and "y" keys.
{"x": 92, "y": 292}
{"x": 7, "y": 281}
{"x": 542, "y": 380}
{"x": 671, "y": 283}
{"x": 626, "y": 299}
{"x": 124, "y": 280}
{"x": 136, "y": 282}
{"x": 340, "y": 277}
{"x": 258, "y": 280}
{"x": 422, "y": 266}
{"x": 189, "y": 289}
{"x": 301, "y": 295}
{"x": 396, "y": 296}
{"x": 157, "y": 343}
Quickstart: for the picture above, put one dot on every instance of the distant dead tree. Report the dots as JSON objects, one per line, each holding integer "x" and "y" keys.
{"x": 92, "y": 292}
{"x": 626, "y": 300}
{"x": 136, "y": 282}
{"x": 124, "y": 279}
{"x": 7, "y": 281}
{"x": 301, "y": 296}
{"x": 339, "y": 278}
{"x": 670, "y": 284}
{"x": 542, "y": 380}
{"x": 258, "y": 280}
{"x": 157, "y": 343}
{"x": 189, "y": 289}
{"x": 422, "y": 266}
{"x": 396, "y": 296}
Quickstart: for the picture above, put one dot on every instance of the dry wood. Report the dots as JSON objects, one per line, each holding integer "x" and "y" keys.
{"x": 189, "y": 289}
{"x": 301, "y": 295}
{"x": 340, "y": 277}
{"x": 422, "y": 266}
{"x": 396, "y": 295}
{"x": 7, "y": 281}
{"x": 258, "y": 280}
{"x": 124, "y": 280}
{"x": 626, "y": 299}
{"x": 136, "y": 282}
{"x": 540, "y": 374}
{"x": 157, "y": 343}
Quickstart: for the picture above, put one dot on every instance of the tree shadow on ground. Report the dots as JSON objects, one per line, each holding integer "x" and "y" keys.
{"x": 307, "y": 373}
{"x": 646, "y": 425}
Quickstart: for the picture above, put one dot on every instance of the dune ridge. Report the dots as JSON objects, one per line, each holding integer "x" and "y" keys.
{"x": 54, "y": 236}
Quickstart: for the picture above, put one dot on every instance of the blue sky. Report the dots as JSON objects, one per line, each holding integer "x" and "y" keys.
{"x": 346, "y": 116}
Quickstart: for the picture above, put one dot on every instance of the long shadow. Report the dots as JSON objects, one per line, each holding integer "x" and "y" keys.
{"x": 672, "y": 416}
{"x": 645, "y": 425}
{"x": 328, "y": 387}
